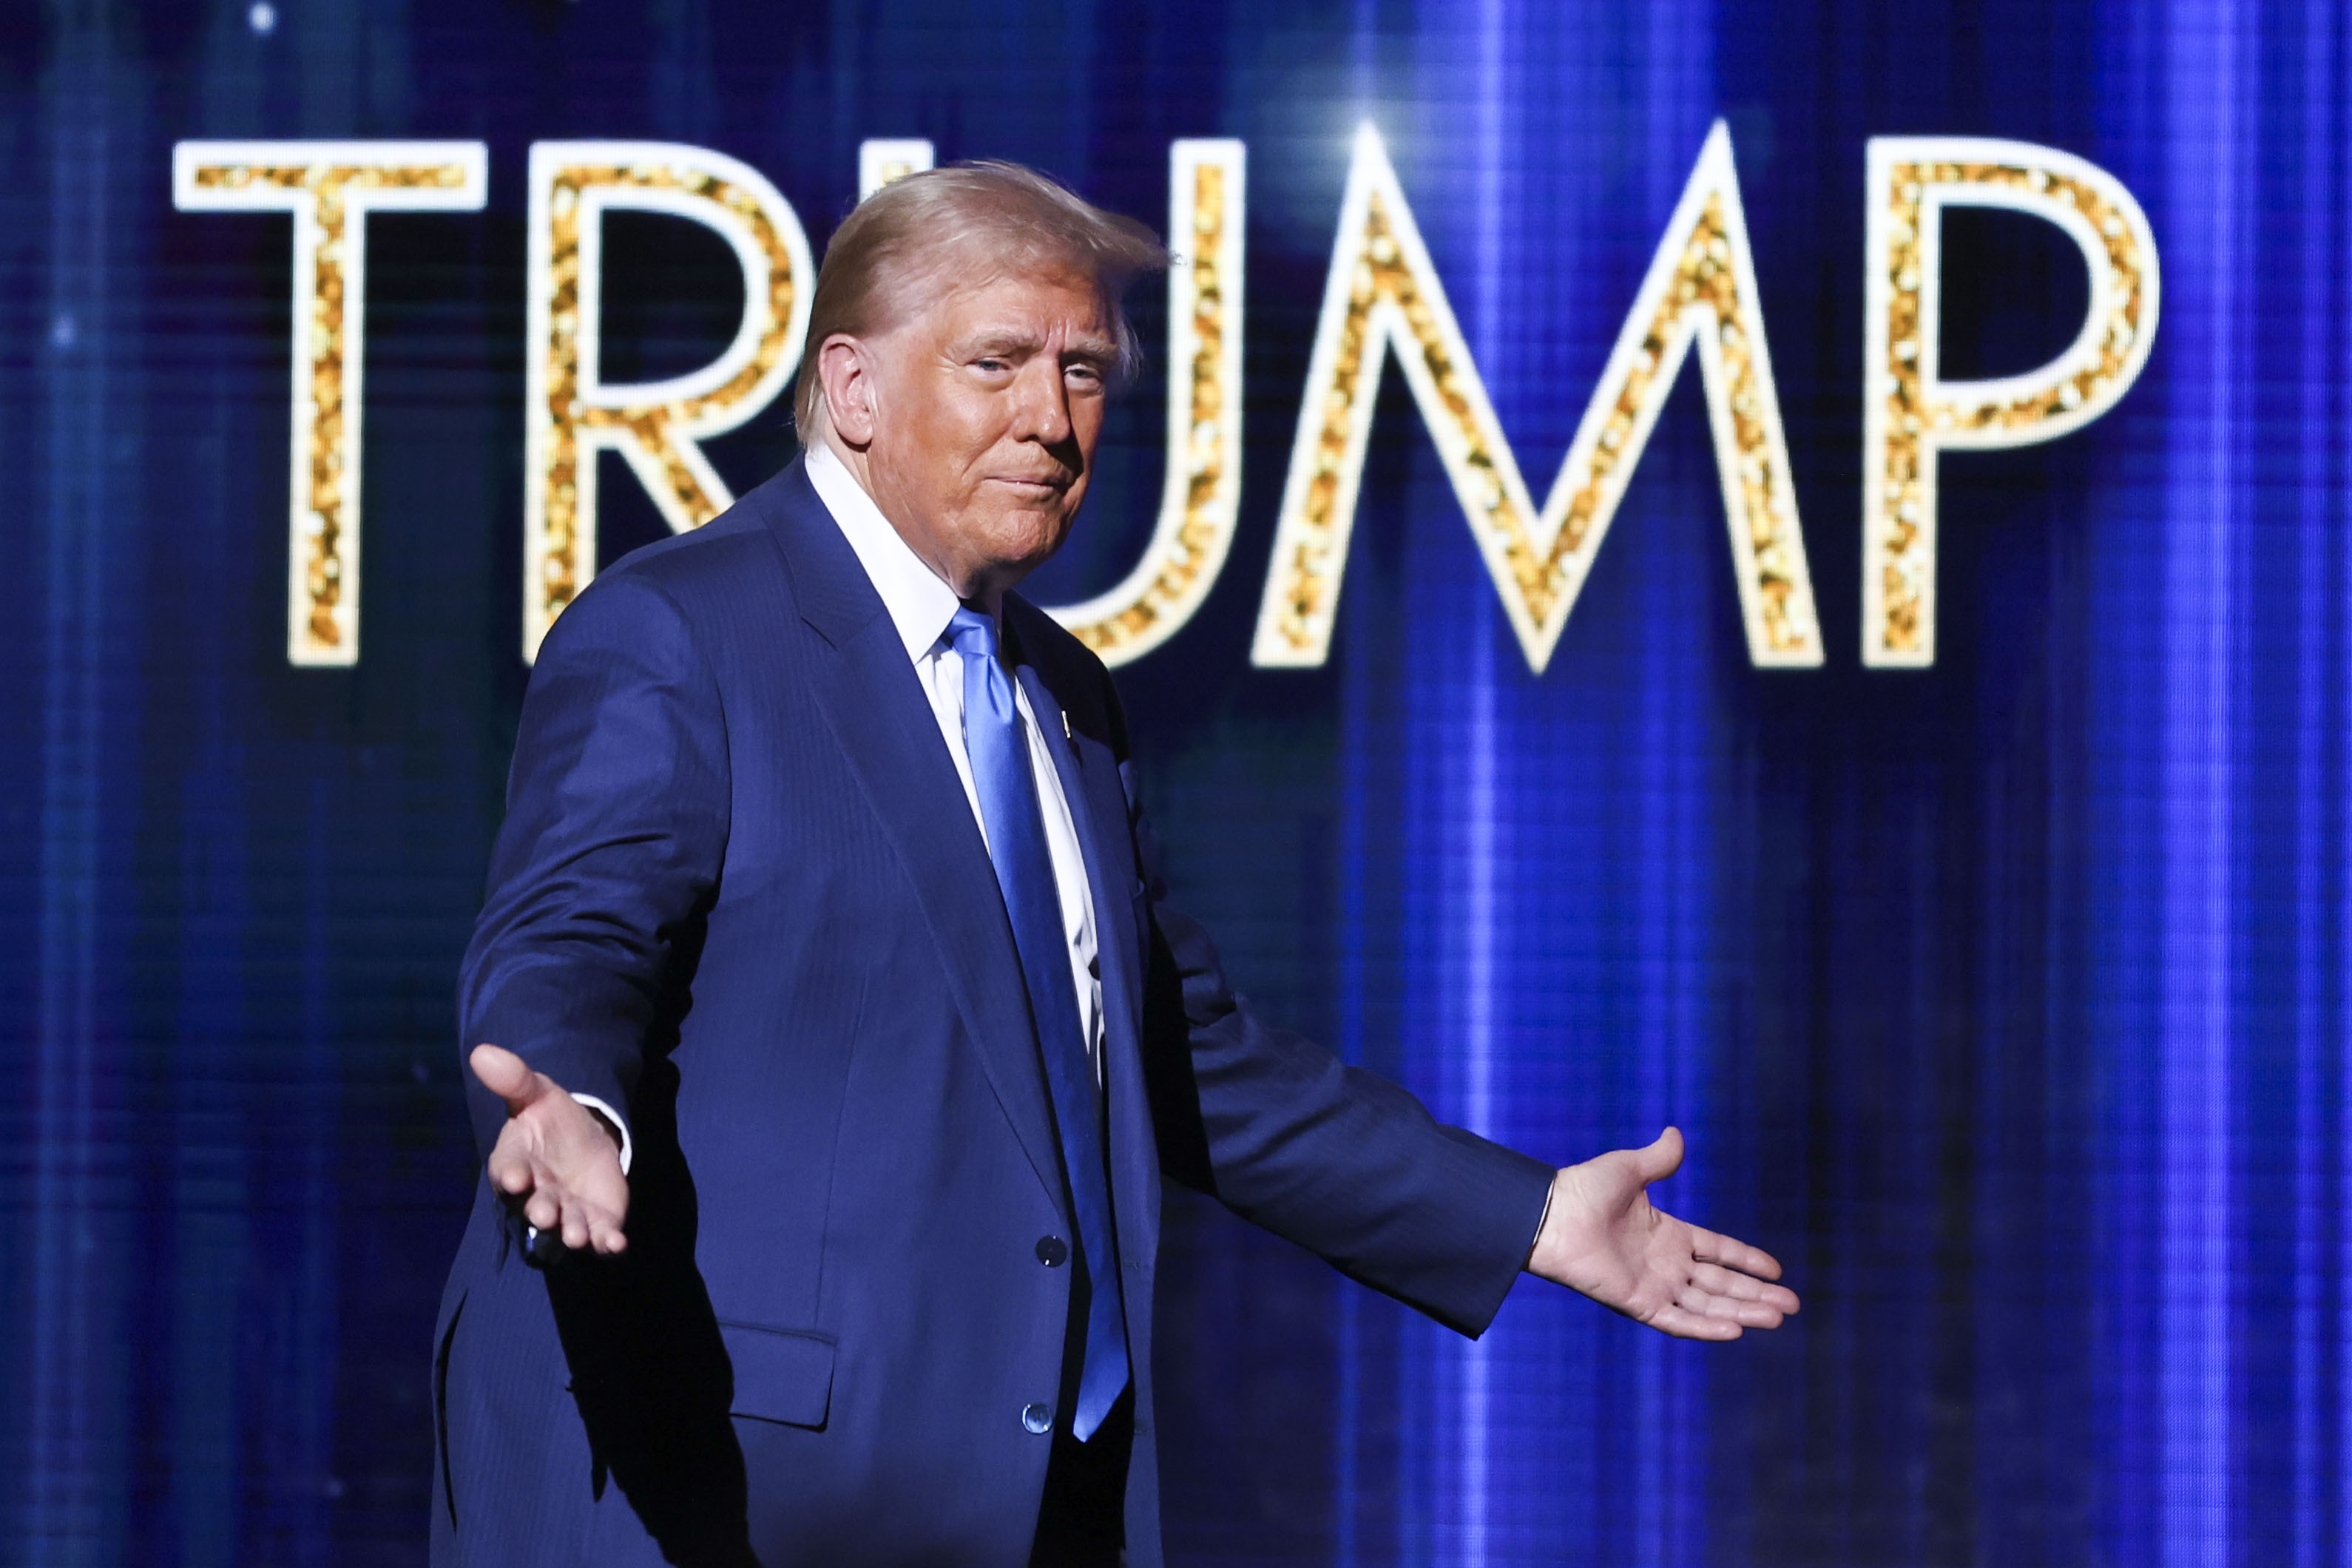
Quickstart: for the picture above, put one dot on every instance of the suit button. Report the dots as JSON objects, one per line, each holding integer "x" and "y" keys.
{"x": 1038, "y": 1419}
{"x": 1053, "y": 1251}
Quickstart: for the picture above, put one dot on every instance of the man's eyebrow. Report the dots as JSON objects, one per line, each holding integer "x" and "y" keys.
{"x": 990, "y": 342}
{"x": 997, "y": 340}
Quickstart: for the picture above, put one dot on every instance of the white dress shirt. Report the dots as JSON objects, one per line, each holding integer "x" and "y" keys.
{"x": 921, "y": 606}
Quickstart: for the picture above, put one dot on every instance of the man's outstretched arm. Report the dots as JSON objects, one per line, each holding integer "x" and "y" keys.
{"x": 615, "y": 829}
{"x": 1356, "y": 1169}
{"x": 1601, "y": 1237}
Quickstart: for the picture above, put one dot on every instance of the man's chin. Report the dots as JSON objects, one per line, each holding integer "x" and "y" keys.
{"x": 1023, "y": 545}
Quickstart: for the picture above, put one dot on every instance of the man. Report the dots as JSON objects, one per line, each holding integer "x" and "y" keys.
{"x": 834, "y": 1031}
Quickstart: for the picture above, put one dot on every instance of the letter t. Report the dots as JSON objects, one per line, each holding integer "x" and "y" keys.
{"x": 329, "y": 187}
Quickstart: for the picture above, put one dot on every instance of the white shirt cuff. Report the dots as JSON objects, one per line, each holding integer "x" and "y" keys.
{"x": 619, "y": 1126}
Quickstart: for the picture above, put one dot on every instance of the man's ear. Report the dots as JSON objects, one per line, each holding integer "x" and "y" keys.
{"x": 845, "y": 368}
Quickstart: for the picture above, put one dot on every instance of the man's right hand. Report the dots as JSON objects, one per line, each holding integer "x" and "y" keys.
{"x": 555, "y": 1158}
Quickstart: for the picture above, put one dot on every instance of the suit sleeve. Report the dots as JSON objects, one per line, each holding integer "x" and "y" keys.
{"x": 616, "y": 820}
{"x": 1336, "y": 1159}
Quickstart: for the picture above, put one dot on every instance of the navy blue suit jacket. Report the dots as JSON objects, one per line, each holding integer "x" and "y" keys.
{"x": 739, "y": 894}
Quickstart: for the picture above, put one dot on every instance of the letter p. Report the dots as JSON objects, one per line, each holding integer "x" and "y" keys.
{"x": 1911, "y": 413}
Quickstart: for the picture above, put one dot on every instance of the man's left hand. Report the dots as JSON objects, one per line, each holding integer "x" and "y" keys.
{"x": 1601, "y": 1237}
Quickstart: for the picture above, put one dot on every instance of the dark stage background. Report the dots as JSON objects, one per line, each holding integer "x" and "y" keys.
{"x": 2003, "y": 999}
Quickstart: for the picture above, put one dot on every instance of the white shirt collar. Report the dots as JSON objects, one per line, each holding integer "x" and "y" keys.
{"x": 920, "y": 604}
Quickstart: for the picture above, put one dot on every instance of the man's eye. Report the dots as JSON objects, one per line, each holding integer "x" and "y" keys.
{"x": 990, "y": 365}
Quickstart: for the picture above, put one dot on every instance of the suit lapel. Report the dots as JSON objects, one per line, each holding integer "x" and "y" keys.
{"x": 876, "y": 708}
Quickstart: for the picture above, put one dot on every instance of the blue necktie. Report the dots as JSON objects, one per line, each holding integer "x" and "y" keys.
{"x": 999, "y": 748}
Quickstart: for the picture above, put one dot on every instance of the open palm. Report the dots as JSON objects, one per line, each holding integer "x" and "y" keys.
{"x": 1603, "y": 1237}
{"x": 554, "y": 1160}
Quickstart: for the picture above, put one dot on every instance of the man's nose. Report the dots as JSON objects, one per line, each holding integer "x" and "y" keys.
{"x": 1043, "y": 403}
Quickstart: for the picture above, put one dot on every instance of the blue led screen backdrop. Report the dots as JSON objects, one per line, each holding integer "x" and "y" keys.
{"x": 1947, "y": 825}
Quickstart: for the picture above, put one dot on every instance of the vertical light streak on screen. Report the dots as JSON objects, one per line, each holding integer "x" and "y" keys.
{"x": 2341, "y": 1454}
{"x": 2200, "y": 510}
{"x": 2334, "y": 372}
{"x": 2316, "y": 715}
{"x": 2126, "y": 640}
{"x": 1478, "y": 971}
{"x": 1676, "y": 915}
{"x": 1658, "y": 939}
{"x": 1478, "y": 985}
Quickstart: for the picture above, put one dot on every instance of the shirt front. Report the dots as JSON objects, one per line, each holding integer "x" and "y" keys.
{"x": 921, "y": 606}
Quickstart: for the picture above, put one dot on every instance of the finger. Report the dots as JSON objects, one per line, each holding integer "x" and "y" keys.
{"x": 1661, "y": 1159}
{"x": 542, "y": 1210}
{"x": 604, "y": 1232}
{"x": 510, "y": 1168}
{"x": 609, "y": 1202}
{"x": 1748, "y": 1314}
{"x": 510, "y": 1172}
{"x": 508, "y": 1076}
{"x": 1709, "y": 1247}
{"x": 599, "y": 1222}
{"x": 1717, "y": 1282}
{"x": 1688, "y": 1325}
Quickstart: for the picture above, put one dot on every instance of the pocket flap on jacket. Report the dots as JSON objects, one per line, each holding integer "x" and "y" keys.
{"x": 781, "y": 1375}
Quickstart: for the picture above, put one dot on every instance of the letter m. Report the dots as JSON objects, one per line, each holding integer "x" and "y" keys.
{"x": 1384, "y": 296}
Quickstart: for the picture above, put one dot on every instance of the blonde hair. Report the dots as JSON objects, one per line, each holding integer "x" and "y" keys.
{"x": 981, "y": 221}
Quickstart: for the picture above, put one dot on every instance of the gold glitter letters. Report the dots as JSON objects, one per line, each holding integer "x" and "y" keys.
{"x": 1383, "y": 294}
{"x": 572, "y": 414}
{"x": 1207, "y": 212}
{"x": 1910, "y": 412}
{"x": 329, "y": 187}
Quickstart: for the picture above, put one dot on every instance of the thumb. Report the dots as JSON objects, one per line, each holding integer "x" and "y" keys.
{"x": 508, "y": 1076}
{"x": 1661, "y": 1159}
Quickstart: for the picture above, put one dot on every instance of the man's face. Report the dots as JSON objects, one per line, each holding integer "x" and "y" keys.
{"x": 979, "y": 436}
